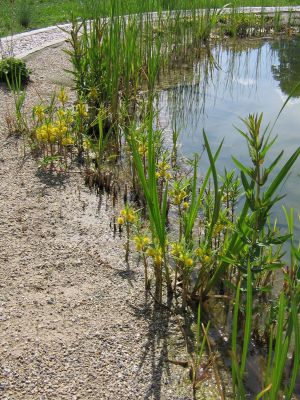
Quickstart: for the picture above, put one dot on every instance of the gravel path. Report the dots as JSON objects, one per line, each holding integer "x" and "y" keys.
{"x": 23, "y": 44}
{"x": 74, "y": 320}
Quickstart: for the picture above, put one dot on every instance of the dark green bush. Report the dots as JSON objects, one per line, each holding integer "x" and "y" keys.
{"x": 25, "y": 13}
{"x": 14, "y": 71}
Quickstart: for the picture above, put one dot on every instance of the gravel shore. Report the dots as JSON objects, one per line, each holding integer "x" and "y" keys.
{"x": 74, "y": 320}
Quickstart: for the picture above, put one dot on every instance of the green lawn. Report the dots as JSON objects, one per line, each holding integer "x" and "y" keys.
{"x": 21, "y": 15}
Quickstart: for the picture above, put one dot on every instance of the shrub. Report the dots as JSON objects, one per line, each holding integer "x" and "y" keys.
{"x": 14, "y": 71}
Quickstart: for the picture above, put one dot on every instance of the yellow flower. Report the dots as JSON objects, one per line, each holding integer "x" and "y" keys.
{"x": 130, "y": 217}
{"x": 81, "y": 110}
{"x": 46, "y": 133}
{"x": 39, "y": 112}
{"x": 163, "y": 170}
{"x": 67, "y": 141}
{"x": 61, "y": 113}
{"x": 146, "y": 241}
{"x": 128, "y": 214}
{"x": 41, "y": 133}
{"x": 182, "y": 194}
{"x": 121, "y": 221}
{"x": 176, "y": 249}
{"x": 199, "y": 252}
{"x": 158, "y": 260}
{"x": 185, "y": 205}
{"x": 178, "y": 195}
{"x": 61, "y": 128}
{"x": 176, "y": 200}
{"x": 141, "y": 242}
{"x": 62, "y": 96}
{"x": 86, "y": 144}
{"x": 156, "y": 254}
{"x": 218, "y": 228}
{"x": 150, "y": 252}
{"x": 207, "y": 259}
{"x": 142, "y": 149}
{"x": 53, "y": 133}
{"x": 138, "y": 243}
{"x": 186, "y": 260}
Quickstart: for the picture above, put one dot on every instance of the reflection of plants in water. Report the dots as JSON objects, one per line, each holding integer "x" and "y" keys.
{"x": 287, "y": 72}
{"x": 213, "y": 74}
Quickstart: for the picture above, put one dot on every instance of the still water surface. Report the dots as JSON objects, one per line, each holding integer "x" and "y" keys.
{"x": 248, "y": 77}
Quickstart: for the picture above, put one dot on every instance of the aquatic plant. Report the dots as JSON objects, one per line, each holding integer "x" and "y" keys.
{"x": 156, "y": 201}
{"x": 127, "y": 218}
{"x": 54, "y": 131}
{"x": 250, "y": 240}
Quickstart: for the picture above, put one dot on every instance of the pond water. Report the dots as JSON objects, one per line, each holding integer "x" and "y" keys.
{"x": 246, "y": 77}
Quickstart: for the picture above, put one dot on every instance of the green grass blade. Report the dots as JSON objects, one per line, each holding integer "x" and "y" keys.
{"x": 281, "y": 175}
{"x": 248, "y": 322}
{"x": 279, "y": 347}
{"x": 263, "y": 392}
{"x": 295, "y": 319}
{"x": 193, "y": 212}
{"x": 217, "y": 194}
{"x": 234, "y": 361}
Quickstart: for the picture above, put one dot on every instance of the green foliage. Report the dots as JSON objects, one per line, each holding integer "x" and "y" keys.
{"x": 13, "y": 71}
{"x": 155, "y": 197}
{"x": 25, "y": 13}
{"x": 51, "y": 12}
{"x": 251, "y": 241}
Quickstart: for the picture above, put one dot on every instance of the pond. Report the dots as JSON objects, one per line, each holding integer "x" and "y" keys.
{"x": 245, "y": 77}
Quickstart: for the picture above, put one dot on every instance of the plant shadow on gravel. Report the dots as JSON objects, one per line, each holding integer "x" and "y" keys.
{"x": 156, "y": 347}
{"x": 128, "y": 274}
{"x": 51, "y": 179}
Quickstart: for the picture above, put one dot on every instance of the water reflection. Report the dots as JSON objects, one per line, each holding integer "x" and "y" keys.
{"x": 251, "y": 77}
{"x": 287, "y": 70}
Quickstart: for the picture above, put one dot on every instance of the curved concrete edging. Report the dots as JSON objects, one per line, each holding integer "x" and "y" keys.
{"x": 26, "y": 43}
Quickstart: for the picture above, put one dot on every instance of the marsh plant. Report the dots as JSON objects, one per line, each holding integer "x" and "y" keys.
{"x": 58, "y": 131}
{"x": 117, "y": 58}
{"x": 212, "y": 250}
